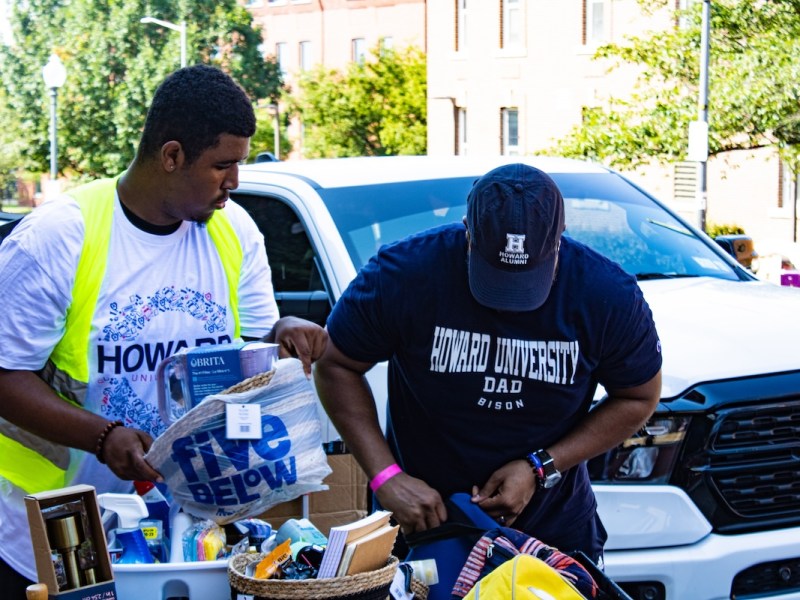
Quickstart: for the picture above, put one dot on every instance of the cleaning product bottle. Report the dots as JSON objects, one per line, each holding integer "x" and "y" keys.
{"x": 180, "y": 523}
{"x": 156, "y": 526}
{"x": 156, "y": 503}
{"x": 127, "y": 537}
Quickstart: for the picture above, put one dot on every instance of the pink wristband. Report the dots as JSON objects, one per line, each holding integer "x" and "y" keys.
{"x": 384, "y": 476}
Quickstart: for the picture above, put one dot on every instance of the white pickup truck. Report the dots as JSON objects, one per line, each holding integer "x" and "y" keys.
{"x": 704, "y": 503}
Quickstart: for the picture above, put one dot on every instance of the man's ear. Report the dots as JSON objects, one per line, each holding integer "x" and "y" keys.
{"x": 172, "y": 156}
{"x": 469, "y": 240}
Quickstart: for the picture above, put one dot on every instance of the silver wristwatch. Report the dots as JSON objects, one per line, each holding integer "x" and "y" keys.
{"x": 546, "y": 473}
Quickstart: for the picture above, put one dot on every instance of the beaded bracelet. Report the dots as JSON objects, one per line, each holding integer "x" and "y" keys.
{"x": 98, "y": 449}
{"x": 537, "y": 467}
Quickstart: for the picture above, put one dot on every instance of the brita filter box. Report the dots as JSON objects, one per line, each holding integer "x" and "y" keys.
{"x": 185, "y": 378}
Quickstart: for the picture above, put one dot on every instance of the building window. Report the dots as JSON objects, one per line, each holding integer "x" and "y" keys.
{"x": 594, "y": 23}
{"x": 282, "y": 56}
{"x": 511, "y": 26}
{"x": 461, "y": 25}
{"x": 510, "y": 137}
{"x": 359, "y": 50}
{"x": 461, "y": 131}
{"x": 387, "y": 43}
{"x": 305, "y": 56}
{"x": 685, "y": 181}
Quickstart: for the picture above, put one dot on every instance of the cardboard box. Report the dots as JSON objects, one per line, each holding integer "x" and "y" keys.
{"x": 344, "y": 502}
{"x": 68, "y": 520}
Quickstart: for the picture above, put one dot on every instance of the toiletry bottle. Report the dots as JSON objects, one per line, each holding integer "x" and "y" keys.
{"x": 180, "y": 523}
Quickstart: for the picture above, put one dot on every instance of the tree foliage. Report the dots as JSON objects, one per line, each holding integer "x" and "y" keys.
{"x": 264, "y": 138}
{"x": 754, "y": 87}
{"x": 114, "y": 63}
{"x": 374, "y": 108}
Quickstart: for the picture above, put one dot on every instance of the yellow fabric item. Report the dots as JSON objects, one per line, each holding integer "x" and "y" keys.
{"x": 232, "y": 257}
{"x": 23, "y": 466}
{"x": 28, "y": 470}
{"x": 524, "y": 577}
{"x": 97, "y": 209}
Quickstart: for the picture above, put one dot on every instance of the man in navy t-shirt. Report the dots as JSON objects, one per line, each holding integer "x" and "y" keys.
{"x": 497, "y": 332}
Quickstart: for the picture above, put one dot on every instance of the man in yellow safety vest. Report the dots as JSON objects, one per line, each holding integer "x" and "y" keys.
{"x": 103, "y": 283}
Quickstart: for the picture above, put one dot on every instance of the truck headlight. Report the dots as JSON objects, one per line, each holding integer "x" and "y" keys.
{"x": 648, "y": 456}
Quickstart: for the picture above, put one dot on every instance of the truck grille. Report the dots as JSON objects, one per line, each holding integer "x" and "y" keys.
{"x": 753, "y": 463}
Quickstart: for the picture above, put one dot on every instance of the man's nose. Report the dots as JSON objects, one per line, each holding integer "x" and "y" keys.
{"x": 231, "y": 178}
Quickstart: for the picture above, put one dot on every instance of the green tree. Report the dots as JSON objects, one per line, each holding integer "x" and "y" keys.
{"x": 374, "y": 108}
{"x": 114, "y": 63}
{"x": 754, "y": 87}
{"x": 264, "y": 138}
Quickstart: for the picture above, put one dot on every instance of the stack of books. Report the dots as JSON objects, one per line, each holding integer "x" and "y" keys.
{"x": 358, "y": 547}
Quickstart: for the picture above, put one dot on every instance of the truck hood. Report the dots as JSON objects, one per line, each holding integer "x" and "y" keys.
{"x": 714, "y": 329}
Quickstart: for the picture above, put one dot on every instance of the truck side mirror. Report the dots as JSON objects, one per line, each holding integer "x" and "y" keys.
{"x": 739, "y": 246}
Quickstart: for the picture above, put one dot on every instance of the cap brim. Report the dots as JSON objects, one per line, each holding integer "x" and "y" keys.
{"x": 511, "y": 291}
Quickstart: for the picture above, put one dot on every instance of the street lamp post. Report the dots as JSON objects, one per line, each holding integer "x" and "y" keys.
{"x": 698, "y": 130}
{"x": 181, "y": 28}
{"x": 702, "y": 118}
{"x": 54, "y": 74}
{"x": 276, "y": 131}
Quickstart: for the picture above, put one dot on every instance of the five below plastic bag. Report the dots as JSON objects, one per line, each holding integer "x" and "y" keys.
{"x": 223, "y": 479}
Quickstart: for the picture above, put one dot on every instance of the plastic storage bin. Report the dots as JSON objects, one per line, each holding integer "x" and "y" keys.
{"x": 206, "y": 580}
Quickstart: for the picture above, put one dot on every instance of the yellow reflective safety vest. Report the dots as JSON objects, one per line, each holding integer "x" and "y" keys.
{"x": 35, "y": 464}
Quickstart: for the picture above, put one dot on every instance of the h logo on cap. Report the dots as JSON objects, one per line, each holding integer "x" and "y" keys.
{"x": 514, "y": 243}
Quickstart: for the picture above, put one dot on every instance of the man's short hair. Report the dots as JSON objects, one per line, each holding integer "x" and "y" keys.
{"x": 194, "y": 106}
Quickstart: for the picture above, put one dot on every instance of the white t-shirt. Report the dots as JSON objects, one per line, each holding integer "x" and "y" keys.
{"x": 159, "y": 293}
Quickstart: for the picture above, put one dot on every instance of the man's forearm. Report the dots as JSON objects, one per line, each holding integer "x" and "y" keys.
{"x": 29, "y": 403}
{"x": 347, "y": 399}
{"x": 617, "y": 418}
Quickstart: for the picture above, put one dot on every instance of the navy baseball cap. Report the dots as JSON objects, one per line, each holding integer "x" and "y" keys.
{"x": 515, "y": 218}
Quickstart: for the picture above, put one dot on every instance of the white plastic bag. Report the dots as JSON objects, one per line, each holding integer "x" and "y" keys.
{"x": 225, "y": 480}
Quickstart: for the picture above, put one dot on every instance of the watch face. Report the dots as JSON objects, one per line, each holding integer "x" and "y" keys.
{"x": 551, "y": 475}
{"x": 551, "y": 479}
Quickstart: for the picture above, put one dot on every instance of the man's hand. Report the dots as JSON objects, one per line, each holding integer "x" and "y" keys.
{"x": 124, "y": 449}
{"x": 300, "y": 339}
{"x": 414, "y": 504}
{"x": 507, "y": 492}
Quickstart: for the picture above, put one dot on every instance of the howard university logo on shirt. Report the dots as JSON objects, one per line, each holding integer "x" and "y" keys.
{"x": 514, "y": 252}
{"x": 505, "y": 363}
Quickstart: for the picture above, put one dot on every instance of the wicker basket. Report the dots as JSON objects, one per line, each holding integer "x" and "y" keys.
{"x": 373, "y": 585}
{"x": 420, "y": 589}
{"x": 250, "y": 383}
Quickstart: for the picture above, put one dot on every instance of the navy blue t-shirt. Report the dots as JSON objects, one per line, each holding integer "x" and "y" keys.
{"x": 472, "y": 388}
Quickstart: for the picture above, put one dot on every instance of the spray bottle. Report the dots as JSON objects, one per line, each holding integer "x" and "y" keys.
{"x": 156, "y": 528}
{"x": 127, "y": 538}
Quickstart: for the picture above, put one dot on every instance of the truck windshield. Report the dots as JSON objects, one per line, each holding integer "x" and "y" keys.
{"x": 603, "y": 211}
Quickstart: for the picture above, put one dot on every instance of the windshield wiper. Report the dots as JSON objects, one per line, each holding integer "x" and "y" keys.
{"x": 671, "y": 227}
{"x": 643, "y": 276}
